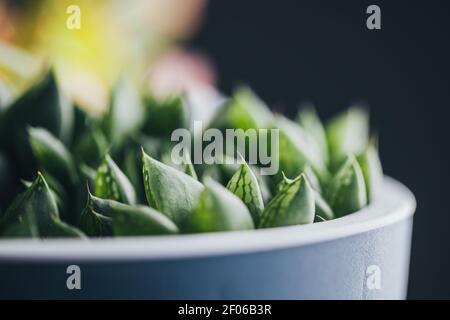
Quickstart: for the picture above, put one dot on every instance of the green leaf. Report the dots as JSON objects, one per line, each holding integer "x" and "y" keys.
{"x": 310, "y": 122}
{"x": 41, "y": 106}
{"x": 372, "y": 170}
{"x": 245, "y": 186}
{"x": 347, "y": 134}
{"x": 60, "y": 229}
{"x": 93, "y": 223}
{"x": 24, "y": 227}
{"x": 132, "y": 220}
{"x": 293, "y": 204}
{"x": 164, "y": 116}
{"x": 88, "y": 175}
{"x": 322, "y": 208}
{"x": 140, "y": 221}
{"x": 52, "y": 155}
{"x": 91, "y": 147}
{"x": 312, "y": 178}
{"x": 218, "y": 210}
{"x": 244, "y": 111}
{"x": 188, "y": 167}
{"x": 36, "y": 206}
{"x": 37, "y": 200}
{"x": 298, "y": 149}
{"x": 126, "y": 113}
{"x": 112, "y": 183}
{"x": 169, "y": 190}
{"x": 346, "y": 192}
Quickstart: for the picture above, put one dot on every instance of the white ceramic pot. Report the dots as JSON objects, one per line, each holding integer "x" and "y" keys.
{"x": 364, "y": 255}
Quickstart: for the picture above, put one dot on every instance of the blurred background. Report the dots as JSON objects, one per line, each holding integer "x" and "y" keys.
{"x": 289, "y": 52}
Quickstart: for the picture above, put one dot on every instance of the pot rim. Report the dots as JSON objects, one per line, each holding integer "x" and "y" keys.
{"x": 394, "y": 204}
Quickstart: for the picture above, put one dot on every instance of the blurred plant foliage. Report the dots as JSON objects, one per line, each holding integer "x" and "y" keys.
{"x": 68, "y": 173}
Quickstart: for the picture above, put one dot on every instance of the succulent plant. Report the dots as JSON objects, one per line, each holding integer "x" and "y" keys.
{"x": 67, "y": 173}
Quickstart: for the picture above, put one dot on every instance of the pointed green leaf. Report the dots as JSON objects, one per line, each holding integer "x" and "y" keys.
{"x": 293, "y": 205}
{"x": 126, "y": 113}
{"x": 346, "y": 192}
{"x": 347, "y": 134}
{"x": 312, "y": 178}
{"x": 132, "y": 220}
{"x": 140, "y": 221}
{"x": 52, "y": 155}
{"x": 243, "y": 111}
{"x": 60, "y": 229}
{"x": 37, "y": 200}
{"x": 91, "y": 147}
{"x": 218, "y": 210}
{"x": 93, "y": 223}
{"x": 310, "y": 122}
{"x": 36, "y": 205}
{"x": 298, "y": 149}
{"x": 112, "y": 183}
{"x": 169, "y": 190}
{"x": 24, "y": 227}
{"x": 40, "y": 106}
{"x": 322, "y": 208}
{"x": 88, "y": 175}
{"x": 188, "y": 167}
{"x": 164, "y": 116}
{"x": 244, "y": 184}
{"x": 372, "y": 170}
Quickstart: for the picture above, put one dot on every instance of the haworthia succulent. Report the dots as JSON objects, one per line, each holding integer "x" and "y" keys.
{"x": 322, "y": 208}
{"x": 36, "y": 206}
{"x": 60, "y": 229}
{"x": 169, "y": 190}
{"x": 245, "y": 185}
{"x": 218, "y": 210}
{"x": 310, "y": 122}
{"x": 298, "y": 149}
{"x": 94, "y": 224}
{"x": 188, "y": 167}
{"x": 54, "y": 114}
{"x": 24, "y": 227}
{"x": 244, "y": 110}
{"x": 140, "y": 221}
{"x": 372, "y": 171}
{"x": 346, "y": 192}
{"x": 347, "y": 134}
{"x": 125, "y": 114}
{"x": 108, "y": 217}
{"x": 112, "y": 183}
{"x": 292, "y": 205}
{"x": 162, "y": 116}
{"x": 72, "y": 149}
{"x": 312, "y": 178}
{"x": 91, "y": 147}
{"x": 52, "y": 155}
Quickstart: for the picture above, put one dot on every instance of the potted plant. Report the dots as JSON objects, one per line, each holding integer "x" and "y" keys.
{"x": 99, "y": 207}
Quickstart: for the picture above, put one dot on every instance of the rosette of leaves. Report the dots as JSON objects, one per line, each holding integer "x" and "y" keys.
{"x": 124, "y": 157}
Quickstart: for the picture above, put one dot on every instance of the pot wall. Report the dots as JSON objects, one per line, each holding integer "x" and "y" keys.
{"x": 330, "y": 270}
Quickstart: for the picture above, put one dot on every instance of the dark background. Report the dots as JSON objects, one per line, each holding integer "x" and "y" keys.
{"x": 321, "y": 51}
